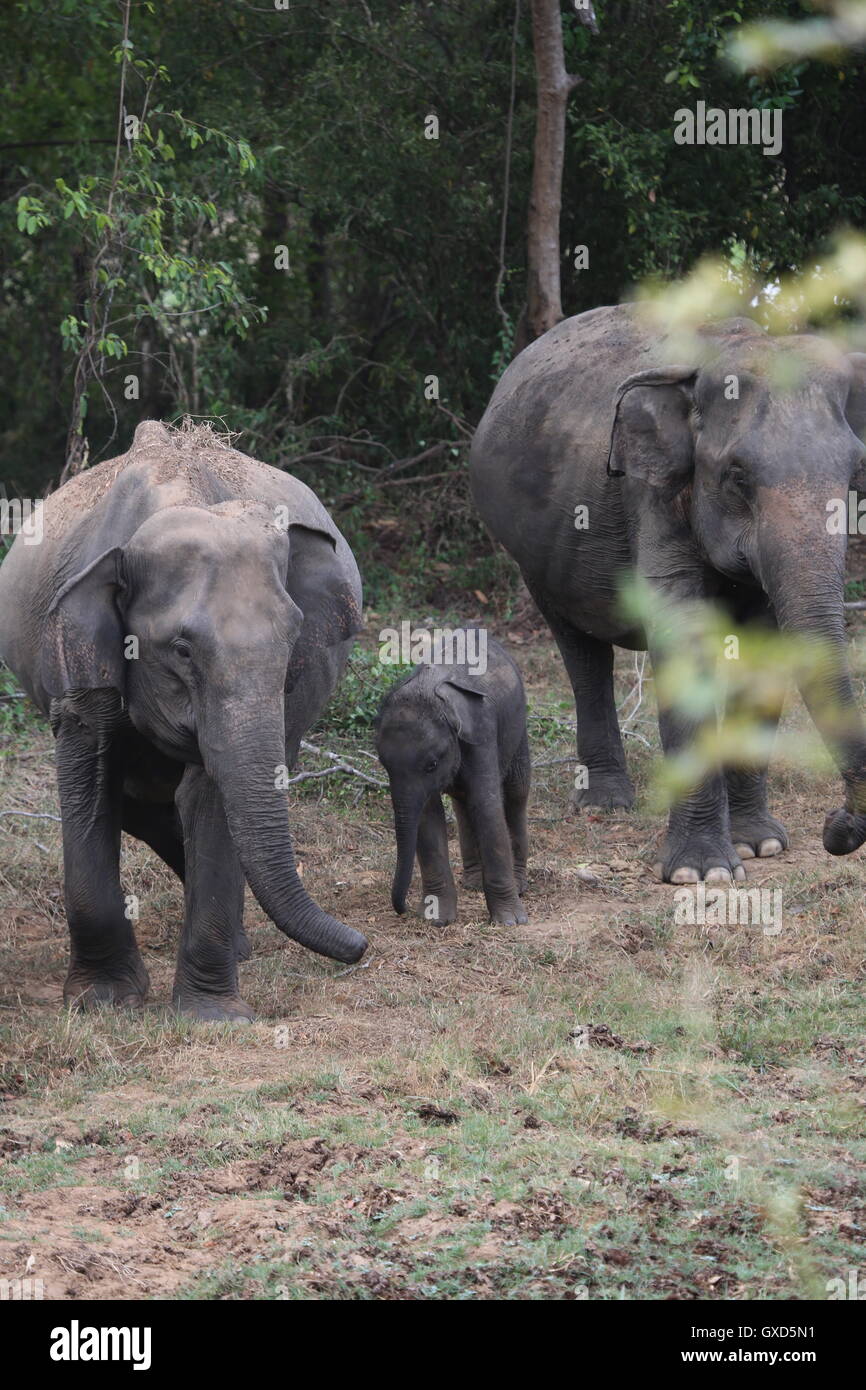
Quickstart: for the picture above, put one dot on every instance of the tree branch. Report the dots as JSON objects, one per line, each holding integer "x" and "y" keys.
{"x": 340, "y": 766}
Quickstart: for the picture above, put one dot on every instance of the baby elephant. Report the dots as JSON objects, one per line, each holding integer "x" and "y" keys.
{"x": 449, "y": 729}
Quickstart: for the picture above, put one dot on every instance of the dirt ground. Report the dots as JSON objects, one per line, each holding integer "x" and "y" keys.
{"x": 601, "y": 1104}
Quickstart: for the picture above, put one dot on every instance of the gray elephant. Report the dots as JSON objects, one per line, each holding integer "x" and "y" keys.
{"x": 449, "y": 728}
{"x": 182, "y": 623}
{"x": 711, "y": 479}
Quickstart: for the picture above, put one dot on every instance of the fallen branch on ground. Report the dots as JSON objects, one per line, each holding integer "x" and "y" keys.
{"x": 340, "y": 765}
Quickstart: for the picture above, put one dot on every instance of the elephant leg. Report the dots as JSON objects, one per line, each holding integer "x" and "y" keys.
{"x": 753, "y": 830}
{"x": 105, "y": 965}
{"x": 469, "y": 851}
{"x": 698, "y": 845}
{"x": 437, "y": 881}
{"x": 486, "y": 811}
{"x": 516, "y": 794}
{"x": 602, "y": 779}
{"x": 206, "y": 982}
{"x": 157, "y": 825}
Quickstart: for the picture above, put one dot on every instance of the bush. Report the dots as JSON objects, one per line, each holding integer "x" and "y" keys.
{"x": 356, "y": 701}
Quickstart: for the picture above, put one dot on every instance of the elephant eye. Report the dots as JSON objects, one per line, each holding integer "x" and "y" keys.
{"x": 432, "y": 765}
{"x": 182, "y": 649}
{"x": 737, "y": 475}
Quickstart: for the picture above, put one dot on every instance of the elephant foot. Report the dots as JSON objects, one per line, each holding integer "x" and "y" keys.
{"x": 844, "y": 831}
{"x": 700, "y": 858}
{"x": 121, "y": 985}
{"x": 606, "y": 791}
{"x": 522, "y": 882}
{"x": 757, "y": 835}
{"x": 508, "y": 913}
{"x": 244, "y": 946}
{"x": 437, "y": 909}
{"x": 213, "y": 1008}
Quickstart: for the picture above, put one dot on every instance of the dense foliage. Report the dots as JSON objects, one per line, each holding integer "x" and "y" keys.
{"x": 305, "y": 128}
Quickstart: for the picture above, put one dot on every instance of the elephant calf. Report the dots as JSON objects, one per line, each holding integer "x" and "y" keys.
{"x": 182, "y": 623}
{"x": 446, "y": 728}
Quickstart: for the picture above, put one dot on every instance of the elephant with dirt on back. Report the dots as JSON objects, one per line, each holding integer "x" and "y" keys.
{"x": 183, "y": 621}
{"x": 705, "y": 492}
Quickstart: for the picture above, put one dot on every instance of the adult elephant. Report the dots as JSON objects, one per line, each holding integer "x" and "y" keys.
{"x": 709, "y": 478}
{"x": 182, "y": 622}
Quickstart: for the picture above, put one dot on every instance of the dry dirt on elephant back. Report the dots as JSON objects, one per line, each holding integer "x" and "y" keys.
{"x": 605, "y": 1103}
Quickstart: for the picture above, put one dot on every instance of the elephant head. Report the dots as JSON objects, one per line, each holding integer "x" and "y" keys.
{"x": 759, "y": 441}
{"x": 419, "y": 730}
{"x": 193, "y": 623}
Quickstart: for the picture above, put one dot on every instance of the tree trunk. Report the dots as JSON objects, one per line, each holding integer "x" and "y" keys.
{"x": 544, "y": 295}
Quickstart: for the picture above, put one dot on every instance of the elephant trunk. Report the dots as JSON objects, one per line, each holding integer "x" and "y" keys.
{"x": 245, "y": 768}
{"x": 807, "y": 594}
{"x": 407, "y": 816}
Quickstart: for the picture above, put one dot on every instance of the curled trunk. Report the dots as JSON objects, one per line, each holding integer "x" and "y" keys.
{"x": 257, "y": 815}
{"x": 808, "y": 597}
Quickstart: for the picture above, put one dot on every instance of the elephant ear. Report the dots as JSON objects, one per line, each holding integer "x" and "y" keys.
{"x": 651, "y": 435}
{"x": 855, "y": 410}
{"x": 83, "y": 640}
{"x": 464, "y": 707}
{"x": 320, "y": 586}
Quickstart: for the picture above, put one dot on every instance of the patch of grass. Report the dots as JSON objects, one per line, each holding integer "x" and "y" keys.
{"x": 424, "y": 1125}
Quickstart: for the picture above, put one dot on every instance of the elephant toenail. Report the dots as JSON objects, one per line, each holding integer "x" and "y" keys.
{"x": 745, "y": 851}
{"x": 739, "y": 873}
{"x": 767, "y": 848}
{"x": 718, "y": 875}
{"x": 685, "y": 875}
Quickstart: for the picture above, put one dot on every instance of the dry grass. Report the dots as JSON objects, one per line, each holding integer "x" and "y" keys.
{"x": 424, "y": 1125}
